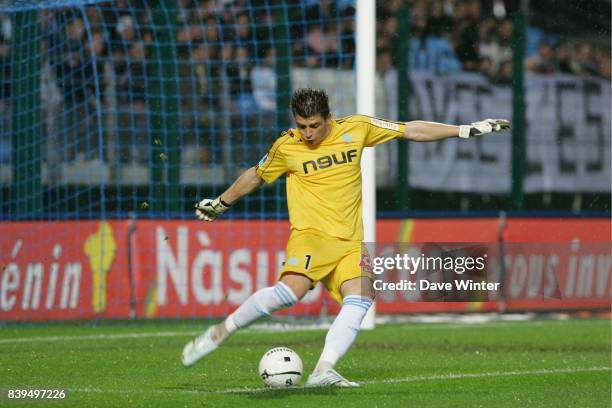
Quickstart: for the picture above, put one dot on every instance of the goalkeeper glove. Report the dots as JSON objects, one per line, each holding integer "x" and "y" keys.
{"x": 483, "y": 127}
{"x": 208, "y": 210}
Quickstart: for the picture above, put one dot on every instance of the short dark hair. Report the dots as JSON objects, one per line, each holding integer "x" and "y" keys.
{"x": 307, "y": 102}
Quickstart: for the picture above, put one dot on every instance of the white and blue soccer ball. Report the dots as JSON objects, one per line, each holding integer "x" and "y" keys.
{"x": 280, "y": 367}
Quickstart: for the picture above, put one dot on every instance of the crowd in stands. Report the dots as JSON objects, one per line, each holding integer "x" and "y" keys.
{"x": 226, "y": 48}
{"x": 448, "y": 36}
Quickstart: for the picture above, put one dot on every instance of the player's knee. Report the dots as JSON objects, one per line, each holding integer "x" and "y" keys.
{"x": 361, "y": 286}
{"x": 297, "y": 283}
{"x": 367, "y": 291}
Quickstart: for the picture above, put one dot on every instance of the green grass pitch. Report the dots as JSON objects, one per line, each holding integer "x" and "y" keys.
{"x": 539, "y": 363}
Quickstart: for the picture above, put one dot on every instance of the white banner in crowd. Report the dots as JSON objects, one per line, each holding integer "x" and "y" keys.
{"x": 478, "y": 164}
{"x": 568, "y": 135}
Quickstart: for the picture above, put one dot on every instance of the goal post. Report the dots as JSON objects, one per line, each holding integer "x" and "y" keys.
{"x": 365, "y": 84}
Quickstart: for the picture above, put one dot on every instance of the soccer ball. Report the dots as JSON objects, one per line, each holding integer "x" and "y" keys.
{"x": 280, "y": 367}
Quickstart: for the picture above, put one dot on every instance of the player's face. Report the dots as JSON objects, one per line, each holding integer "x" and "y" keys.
{"x": 313, "y": 129}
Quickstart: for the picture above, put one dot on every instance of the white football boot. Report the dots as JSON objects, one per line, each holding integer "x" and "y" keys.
{"x": 198, "y": 348}
{"x": 330, "y": 378}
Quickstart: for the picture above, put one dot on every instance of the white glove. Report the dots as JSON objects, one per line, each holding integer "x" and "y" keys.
{"x": 208, "y": 210}
{"x": 483, "y": 127}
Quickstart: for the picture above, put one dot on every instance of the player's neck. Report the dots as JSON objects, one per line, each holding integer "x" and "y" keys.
{"x": 330, "y": 125}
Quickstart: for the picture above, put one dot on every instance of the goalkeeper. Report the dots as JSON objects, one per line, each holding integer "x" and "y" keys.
{"x": 321, "y": 160}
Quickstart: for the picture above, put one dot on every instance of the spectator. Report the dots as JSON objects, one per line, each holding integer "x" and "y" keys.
{"x": 187, "y": 34}
{"x": 485, "y": 66}
{"x": 263, "y": 28}
{"x": 330, "y": 56}
{"x": 244, "y": 33}
{"x": 585, "y": 64}
{"x": 603, "y": 60}
{"x": 313, "y": 47}
{"x": 504, "y": 73}
{"x": 199, "y": 99}
{"x": 438, "y": 23}
{"x": 51, "y": 100}
{"x": 347, "y": 38}
{"x": 206, "y": 11}
{"x": 126, "y": 29}
{"x": 314, "y": 39}
{"x": 466, "y": 34}
{"x": 71, "y": 72}
{"x": 544, "y": 61}
{"x": 74, "y": 75}
{"x": 185, "y": 9}
{"x": 211, "y": 37}
{"x": 388, "y": 74}
{"x": 563, "y": 58}
{"x": 136, "y": 79}
{"x": 238, "y": 69}
{"x": 428, "y": 50}
{"x": 263, "y": 79}
{"x": 130, "y": 64}
{"x": 318, "y": 11}
{"x": 205, "y": 87}
{"x": 496, "y": 42}
{"x": 122, "y": 38}
{"x": 389, "y": 8}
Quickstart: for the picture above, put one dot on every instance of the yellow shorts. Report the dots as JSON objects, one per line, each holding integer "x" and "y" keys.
{"x": 326, "y": 259}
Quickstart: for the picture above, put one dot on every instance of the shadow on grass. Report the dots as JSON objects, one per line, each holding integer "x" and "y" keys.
{"x": 261, "y": 393}
{"x": 277, "y": 393}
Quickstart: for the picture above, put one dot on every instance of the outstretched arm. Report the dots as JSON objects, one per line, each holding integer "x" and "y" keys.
{"x": 209, "y": 209}
{"x": 422, "y": 131}
{"x": 248, "y": 182}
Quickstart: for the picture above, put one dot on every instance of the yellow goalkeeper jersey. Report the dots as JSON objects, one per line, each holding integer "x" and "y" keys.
{"x": 324, "y": 182}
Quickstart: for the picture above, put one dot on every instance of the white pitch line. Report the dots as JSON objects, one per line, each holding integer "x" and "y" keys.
{"x": 115, "y": 336}
{"x": 485, "y": 375}
{"x": 438, "y": 377}
{"x": 98, "y": 337}
{"x": 262, "y": 329}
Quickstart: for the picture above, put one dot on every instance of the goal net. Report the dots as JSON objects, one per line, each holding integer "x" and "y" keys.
{"x": 116, "y": 117}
